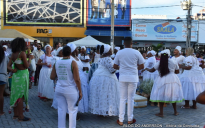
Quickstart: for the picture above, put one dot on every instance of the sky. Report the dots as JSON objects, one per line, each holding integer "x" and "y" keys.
{"x": 171, "y": 12}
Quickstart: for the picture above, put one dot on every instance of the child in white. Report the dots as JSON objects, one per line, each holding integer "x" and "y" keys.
{"x": 115, "y": 12}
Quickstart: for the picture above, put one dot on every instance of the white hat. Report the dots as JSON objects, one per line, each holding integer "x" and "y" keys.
{"x": 153, "y": 52}
{"x": 47, "y": 46}
{"x": 83, "y": 47}
{"x": 5, "y": 46}
{"x": 166, "y": 51}
{"x": 72, "y": 46}
{"x": 106, "y": 48}
{"x": 179, "y": 49}
{"x": 117, "y": 48}
{"x": 58, "y": 50}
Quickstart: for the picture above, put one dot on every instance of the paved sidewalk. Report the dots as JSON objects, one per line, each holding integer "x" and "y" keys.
{"x": 43, "y": 116}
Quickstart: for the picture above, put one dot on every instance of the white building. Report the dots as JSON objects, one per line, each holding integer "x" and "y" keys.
{"x": 200, "y": 15}
{"x": 149, "y": 16}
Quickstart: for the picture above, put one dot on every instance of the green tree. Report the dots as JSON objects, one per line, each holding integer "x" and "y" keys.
{"x": 158, "y": 47}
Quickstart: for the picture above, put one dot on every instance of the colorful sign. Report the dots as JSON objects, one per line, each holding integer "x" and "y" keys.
{"x": 53, "y": 12}
{"x": 99, "y": 12}
{"x": 156, "y": 30}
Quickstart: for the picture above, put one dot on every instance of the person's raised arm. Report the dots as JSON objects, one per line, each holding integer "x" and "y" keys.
{"x": 77, "y": 78}
{"x": 53, "y": 73}
{"x": 40, "y": 61}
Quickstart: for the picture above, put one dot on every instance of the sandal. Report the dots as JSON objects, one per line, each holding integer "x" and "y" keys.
{"x": 185, "y": 107}
{"x": 120, "y": 123}
{"x": 159, "y": 115}
{"x": 132, "y": 122}
{"x": 15, "y": 117}
{"x": 24, "y": 119}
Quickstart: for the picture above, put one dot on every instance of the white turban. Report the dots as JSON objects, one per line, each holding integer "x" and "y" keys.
{"x": 106, "y": 48}
{"x": 5, "y": 46}
{"x": 72, "y": 46}
{"x": 166, "y": 51}
{"x": 83, "y": 47}
{"x": 159, "y": 53}
{"x": 117, "y": 48}
{"x": 47, "y": 46}
{"x": 179, "y": 49}
{"x": 153, "y": 52}
{"x": 58, "y": 50}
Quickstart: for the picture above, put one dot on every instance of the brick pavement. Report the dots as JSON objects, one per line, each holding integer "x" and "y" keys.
{"x": 43, "y": 116}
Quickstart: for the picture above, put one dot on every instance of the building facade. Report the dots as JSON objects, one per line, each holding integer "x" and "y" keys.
{"x": 48, "y": 21}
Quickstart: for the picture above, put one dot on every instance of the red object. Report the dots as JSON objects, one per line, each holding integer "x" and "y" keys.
{"x": 201, "y": 98}
{"x": 165, "y": 24}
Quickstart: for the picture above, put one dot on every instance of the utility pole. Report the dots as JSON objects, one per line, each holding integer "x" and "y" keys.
{"x": 112, "y": 26}
{"x": 187, "y": 5}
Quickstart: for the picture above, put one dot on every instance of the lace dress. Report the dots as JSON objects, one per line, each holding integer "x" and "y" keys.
{"x": 193, "y": 80}
{"x": 150, "y": 63}
{"x": 168, "y": 88}
{"x": 104, "y": 89}
{"x": 179, "y": 60}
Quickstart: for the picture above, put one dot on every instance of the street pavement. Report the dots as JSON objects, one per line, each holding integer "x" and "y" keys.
{"x": 44, "y": 116}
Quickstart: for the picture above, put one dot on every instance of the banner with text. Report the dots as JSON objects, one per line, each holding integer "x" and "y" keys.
{"x": 163, "y": 31}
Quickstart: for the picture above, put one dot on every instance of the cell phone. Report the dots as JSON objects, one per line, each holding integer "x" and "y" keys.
{"x": 77, "y": 101}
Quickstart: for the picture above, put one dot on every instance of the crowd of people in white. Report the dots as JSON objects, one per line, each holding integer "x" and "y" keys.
{"x": 75, "y": 86}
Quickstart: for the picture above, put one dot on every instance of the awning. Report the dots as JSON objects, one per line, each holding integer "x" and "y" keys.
{"x": 108, "y": 33}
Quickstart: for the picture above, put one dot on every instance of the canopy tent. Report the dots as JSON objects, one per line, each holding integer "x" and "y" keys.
{"x": 10, "y": 34}
{"x": 87, "y": 41}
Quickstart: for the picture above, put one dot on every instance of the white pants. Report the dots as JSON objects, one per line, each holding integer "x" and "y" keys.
{"x": 127, "y": 93}
{"x": 67, "y": 102}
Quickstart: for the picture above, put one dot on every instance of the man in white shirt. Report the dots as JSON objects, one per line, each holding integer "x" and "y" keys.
{"x": 37, "y": 54}
{"x": 130, "y": 62}
{"x": 57, "y": 45}
{"x": 8, "y": 50}
{"x": 35, "y": 45}
{"x": 123, "y": 4}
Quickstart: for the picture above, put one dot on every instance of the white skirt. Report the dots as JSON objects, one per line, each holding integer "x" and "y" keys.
{"x": 45, "y": 85}
{"x": 104, "y": 96}
{"x": 83, "y": 104}
{"x": 148, "y": 75}
{"x": 167, "y": 89}
{"x": 192, "y": 84}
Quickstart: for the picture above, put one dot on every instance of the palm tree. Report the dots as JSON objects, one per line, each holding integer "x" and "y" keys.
{"x": 157, "y": 48}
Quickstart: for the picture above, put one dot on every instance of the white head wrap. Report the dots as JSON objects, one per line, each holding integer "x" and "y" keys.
{"x": 58, "y": 50}
{"x": 72, "y": 46}
{"x": 47, "y": 46}
{"x": 179, "y": 49}
{"x": 5, "y": 46}
{"x": 106, "y": 48}
{"x": 159, "y": 53}
{"x": 166, "y": 51}
{"x": 83, "y": 47}
{"x": 117, "y": 48}
{"x": 153, "y": 52}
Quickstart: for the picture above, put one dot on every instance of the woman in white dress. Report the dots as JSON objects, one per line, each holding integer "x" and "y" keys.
{"x": 45, "y": 85}
{"x": 104, "y": 88}
{"x": 167, "y": 87}
{"x": 192, "y": 79}
{"x": 85, "y": 59}
{"x": 83, "y": 104}
{"x": 178, "y": 57}
{"x": 150, "y": 63}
